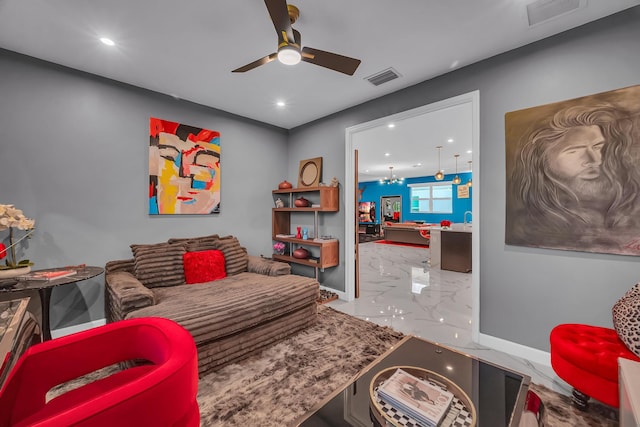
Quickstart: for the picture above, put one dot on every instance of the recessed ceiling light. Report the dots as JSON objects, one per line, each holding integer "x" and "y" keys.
{"x": 391, "y": 125}
{"x": 280, "y": 103}
{"x": 107, "y": 41}
{"x": 450, "y": 140}
{"x": 417, "y": 165}
{"x": 469, "y": 151}
{"x": 387, "y": 154}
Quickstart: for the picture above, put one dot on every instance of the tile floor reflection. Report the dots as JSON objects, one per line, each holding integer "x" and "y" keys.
{"x": 398, "y": 289}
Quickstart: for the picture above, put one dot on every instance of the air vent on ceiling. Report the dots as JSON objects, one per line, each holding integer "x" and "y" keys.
{"x": 383, "y": 77}
{"x": 543, "y": 10}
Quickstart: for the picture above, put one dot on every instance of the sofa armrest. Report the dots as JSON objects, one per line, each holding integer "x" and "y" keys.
{"x": 124, "y": 294}
{"x": 267, "y": 267}
{"x": 119, "y": 265}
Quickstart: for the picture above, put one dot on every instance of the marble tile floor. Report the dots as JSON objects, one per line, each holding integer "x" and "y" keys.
{"x": 398, "y": 289}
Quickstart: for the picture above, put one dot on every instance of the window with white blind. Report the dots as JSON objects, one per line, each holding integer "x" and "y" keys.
{"x": 432, "y": 197}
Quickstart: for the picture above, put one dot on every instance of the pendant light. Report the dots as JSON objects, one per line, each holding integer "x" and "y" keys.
{"x": 457, "y": 179}
{"x": 439, "y": 176}
{"x": 470, "y": 182}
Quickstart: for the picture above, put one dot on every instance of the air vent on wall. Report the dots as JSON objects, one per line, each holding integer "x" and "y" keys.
{"x": 543, "y": 10}
{"x": 383, "y": 77}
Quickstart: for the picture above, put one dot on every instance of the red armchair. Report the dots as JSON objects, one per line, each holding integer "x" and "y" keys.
{"x": 161, "y": 391}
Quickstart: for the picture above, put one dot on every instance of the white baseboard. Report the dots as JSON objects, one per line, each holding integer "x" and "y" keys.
{"x": 537, "y": 356}
{"x": 77, "y": 328}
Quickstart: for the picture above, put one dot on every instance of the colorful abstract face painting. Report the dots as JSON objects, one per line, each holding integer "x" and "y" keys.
{"x": 184, "y": 169}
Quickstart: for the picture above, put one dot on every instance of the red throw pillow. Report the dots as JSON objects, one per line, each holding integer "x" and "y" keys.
{"x": 203, "y": 266}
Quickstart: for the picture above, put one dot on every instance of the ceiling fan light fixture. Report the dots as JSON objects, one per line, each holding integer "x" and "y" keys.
{"x": 289, "y": 55}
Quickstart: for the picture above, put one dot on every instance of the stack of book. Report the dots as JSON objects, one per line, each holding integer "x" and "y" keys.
{"x": 46, "y": 275}
{"x": 416, "y": 398}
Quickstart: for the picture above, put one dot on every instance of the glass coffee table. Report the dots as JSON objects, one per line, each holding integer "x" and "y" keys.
{"x": 498, "y": 394}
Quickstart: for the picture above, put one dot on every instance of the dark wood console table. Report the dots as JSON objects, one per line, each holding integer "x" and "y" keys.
{"x": 45, "y": 288}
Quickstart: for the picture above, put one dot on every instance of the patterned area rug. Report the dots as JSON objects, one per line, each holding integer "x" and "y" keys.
{"x": 561, "y": 413}
{"x": 282, "y": 383}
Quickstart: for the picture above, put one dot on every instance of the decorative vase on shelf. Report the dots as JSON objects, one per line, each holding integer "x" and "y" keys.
{"x": 284, "y": 185}
{"x": 301, "y": 202}
{"x": 14, "y": 272}
{"x": 301, "y": 253}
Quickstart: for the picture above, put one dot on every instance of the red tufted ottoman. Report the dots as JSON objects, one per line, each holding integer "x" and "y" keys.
{"x": 586, "y": 357}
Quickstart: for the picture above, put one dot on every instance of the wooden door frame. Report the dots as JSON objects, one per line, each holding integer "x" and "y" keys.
{"x": 356, "y": 236}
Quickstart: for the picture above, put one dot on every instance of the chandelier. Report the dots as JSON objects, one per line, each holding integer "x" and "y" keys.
{"x": 439, "y": 176}
{"x": 392, "y": 179}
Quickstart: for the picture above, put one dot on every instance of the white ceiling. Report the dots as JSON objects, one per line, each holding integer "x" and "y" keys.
{"x": 410, "y": 145}
{"x": 188, "y": 48}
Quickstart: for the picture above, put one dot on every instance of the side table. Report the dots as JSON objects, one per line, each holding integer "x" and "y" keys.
{"x": 45, "y": 287}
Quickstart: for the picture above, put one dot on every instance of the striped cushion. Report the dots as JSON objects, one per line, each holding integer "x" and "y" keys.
{"x": 197, "y": 244}
{"x": 159, "y": 264}
{"x": 236, "y": 257}
{"x": 202, "y": 245}
{"x": 193, "y": 239}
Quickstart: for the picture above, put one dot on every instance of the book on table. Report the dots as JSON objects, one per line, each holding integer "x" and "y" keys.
{"x": 46, "y": 275}
{"x": 418, "y": 399}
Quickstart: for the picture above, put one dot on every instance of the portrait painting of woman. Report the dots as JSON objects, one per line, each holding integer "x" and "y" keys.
{"x": 573, "y": 174}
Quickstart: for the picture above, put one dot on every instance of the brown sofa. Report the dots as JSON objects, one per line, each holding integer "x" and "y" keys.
{"x": 408, "y": 232}
{"x": 258, "y": 304}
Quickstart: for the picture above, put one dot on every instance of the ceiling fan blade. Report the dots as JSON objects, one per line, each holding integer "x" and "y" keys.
{"x": 333, "y": 61}
{"x": 280, "y": 17}
{"x": 257, "y": 63}
{"x": 297, "y": 36}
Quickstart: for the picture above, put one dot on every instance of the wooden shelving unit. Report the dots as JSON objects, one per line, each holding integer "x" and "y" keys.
{"x": 324, "y": 199}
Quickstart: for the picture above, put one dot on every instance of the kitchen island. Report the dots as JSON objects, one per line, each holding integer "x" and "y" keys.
{"x": 451, "y": 248}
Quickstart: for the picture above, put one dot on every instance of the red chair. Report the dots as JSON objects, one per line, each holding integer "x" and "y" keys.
{"x": 586, "y": 357}
{"x": 159, "y": 390}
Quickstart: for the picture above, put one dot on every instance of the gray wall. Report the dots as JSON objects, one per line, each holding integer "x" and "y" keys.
{"x": 524, "y": 292}
{"x": 74, "y": 156}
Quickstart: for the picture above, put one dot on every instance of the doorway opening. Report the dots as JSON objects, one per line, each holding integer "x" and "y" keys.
{"x": 353, "y": 133}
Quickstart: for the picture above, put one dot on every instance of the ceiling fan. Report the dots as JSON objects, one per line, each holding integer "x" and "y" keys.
{"x": 290, "y": 51}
